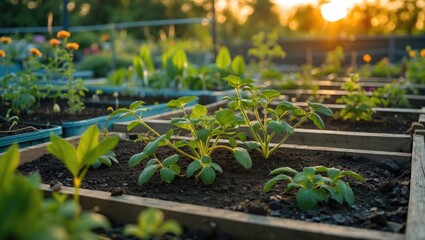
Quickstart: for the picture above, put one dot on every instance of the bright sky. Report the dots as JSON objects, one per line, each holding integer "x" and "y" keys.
{"x": 290, "y": 3}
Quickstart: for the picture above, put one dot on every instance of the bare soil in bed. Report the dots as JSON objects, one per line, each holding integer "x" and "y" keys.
{"x": 381, "y": 201}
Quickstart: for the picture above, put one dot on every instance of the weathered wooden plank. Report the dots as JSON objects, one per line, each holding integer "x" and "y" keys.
{"x": 416, "y": 212}
{"x": 124, "y": 209}
{"x": 313, "y": 137}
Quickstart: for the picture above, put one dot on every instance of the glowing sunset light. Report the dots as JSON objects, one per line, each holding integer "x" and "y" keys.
{"x": 334, "y": 11}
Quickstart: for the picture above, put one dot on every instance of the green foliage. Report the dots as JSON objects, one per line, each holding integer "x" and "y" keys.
{"x": 105, "y": 159}
{"x": 266, "y": 48}
{"x": 415, "y": 65}
{"x": 269, "y": 122}
{"x": 26, "y": 215}
{"x": 151, "y": 225}
{"x": 385, "y": 69}
{"x": 358, "y": 106}
{"x": 78, "y": 160}
{"x": 313, "y": 187}
{"x": 205, "y": 132}
{"x": 333, "y": 61}
{"x": 391, "y": 95}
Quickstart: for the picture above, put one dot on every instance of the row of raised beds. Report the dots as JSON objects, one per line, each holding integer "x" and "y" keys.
{"x": 265, "y": 163}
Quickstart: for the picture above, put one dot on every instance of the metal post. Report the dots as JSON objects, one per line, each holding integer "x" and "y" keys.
{"x": 65, "y": 15}
{"x": 214, "y": 30}
{"x": 391, "y": 48}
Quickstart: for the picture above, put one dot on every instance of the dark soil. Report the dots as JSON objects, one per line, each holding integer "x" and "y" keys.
{"x": 19, "y": 128}
{"x": 382, "y": 123}
{"x": 381, "y": 201}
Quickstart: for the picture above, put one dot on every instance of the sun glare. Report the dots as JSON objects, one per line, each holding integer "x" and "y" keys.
{"x": 334, "y": 11}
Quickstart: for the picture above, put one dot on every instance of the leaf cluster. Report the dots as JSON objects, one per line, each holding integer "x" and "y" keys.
{"x": 315, "y": 184}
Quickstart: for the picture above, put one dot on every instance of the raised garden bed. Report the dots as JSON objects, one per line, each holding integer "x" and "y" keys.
{"x": 122, "y": 209}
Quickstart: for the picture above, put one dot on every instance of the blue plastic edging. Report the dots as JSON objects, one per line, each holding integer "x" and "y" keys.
{"x": 78, "y": 127}
{"x": 29, "y": 138}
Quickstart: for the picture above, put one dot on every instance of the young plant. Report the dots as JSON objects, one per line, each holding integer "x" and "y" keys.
{"x": 151, "y": 225}
{"x": 205, "y": 134}
{"x": 267, "y": 122}
{"x": 25, "y": 214}
{"x": 333, "y": 61}
{"x": 415, "y": 65}
{"x": 106, "y": 159}
{"x": 358, "y": 106}
{"x": 391, "y": 95}
{"x": 313, "y": 187}
{"x": 78, "y": 160}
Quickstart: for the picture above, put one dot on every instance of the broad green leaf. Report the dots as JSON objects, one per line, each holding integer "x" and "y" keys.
{"x": 151, "y": 162}
{"x": 138, "y": 66}
{"x": 107, "y": 144}
{"x": 319, "y": 179}
{"x": 216, "y": 167}
{"x": 354, "y": 175}
{"x": 337, "y": 196}
{"x": 180, "y": 60}
{"x": 225, "y": 117}
{"x": 206, "y": 159}
{"x": 133, "y": 125}
{"x": 181, "y": 143}
{"x": 255, "y": 126}
{"x": 300, "y": 177}
{"x": 321, "y": 195}
{"x": 208, "y": 175}
{"x": 346, "y": 192}
{"x": 146, "y": 55}
{"x": 193, "y": 167}
{"x": 167, "y": 175}
{"x": 309, "y": 171}
{"x": 270, "y": 94}
{"x": 232, "y": 142}
{"x": 146, "y": 174}
{"x": 198, "y": 111}
{"x": 320, "y": 108}
{"x": 170, "y": 160}
{"x": 242, "y": 157}
{"x": 89, "y": 140}
{"x": 293, "y": 185}
{"x": 241, "y": 136}
{"x": 174, "y": 104}
{"x": 280, "y": 127}
{"x": 284, "y": 170}
{"x": 169, "y": 226}
{"x": 238, "y": 65}
{"x": 151, "y": 147}
{"x": 117, "y": 112}
{"x": 136, "y": 104}
{"x": 285, "y": 106}
{"x": 320, "y": 169}
{"x": 247, "y": 81}
{"x": 136, "y": 159}
{"x": 334, "y": 173}
{"x": 65, "y": 152}
{"x": 306, "y": 199}
{"x": 317, "y": 120}
{"x": 270, "y": 183}
{"x": 186, "y": 99}
{"x": 9, "y": 161}
{"x": 223, "y": 59}
{"x": 203, "y": 134}
{"x": 175, "y": 168}
{"x": 233, "y": 80}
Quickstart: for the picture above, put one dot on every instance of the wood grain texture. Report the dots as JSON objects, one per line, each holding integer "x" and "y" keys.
{"x": 124, "y": 209}
{"x": 415, "y": 229}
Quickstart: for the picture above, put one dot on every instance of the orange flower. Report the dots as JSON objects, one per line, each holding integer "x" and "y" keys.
{"x": 423, "y": 53}
{"x": 72, "y": 46}
{"x": 2, "y": 54}
{"x": 412, "y": 53}
{"x": 105, "y": 37}
{"x": 36, "y": 52}
{"x": 54, "y": 42}
{"x": 63, "y": 34}
{"x": 367, "y": 58}
{"x": 5, "y": 40}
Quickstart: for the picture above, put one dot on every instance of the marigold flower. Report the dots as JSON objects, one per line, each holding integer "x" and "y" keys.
{"x": 5, "y": 40}
{"x": 412, "y": 53}
{"x": 2, "y": 54}
{"x": 422, "y": 53}
{"x": 367, "y": 58}
{"x": 36, "y": 52}
{"x": 63, "y": 34}
{"x": 72, "y": 46}
{"x": 54, "y": 42}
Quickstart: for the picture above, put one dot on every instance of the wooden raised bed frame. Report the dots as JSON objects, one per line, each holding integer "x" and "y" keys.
{"x": 124, "y": 209}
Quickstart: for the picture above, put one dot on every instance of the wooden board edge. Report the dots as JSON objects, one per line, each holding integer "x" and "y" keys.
{"x": 124, "y": 209}
{"x": 415, "y": 229}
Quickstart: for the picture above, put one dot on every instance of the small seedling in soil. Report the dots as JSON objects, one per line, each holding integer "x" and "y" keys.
{"x": 313, "y": 187}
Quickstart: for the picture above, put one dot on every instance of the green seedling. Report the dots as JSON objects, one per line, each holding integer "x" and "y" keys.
{"x": 151, "y": 225}
{"x": 313, "y": 187}
{"x": 268, "y": 122}
{"x": 205, "y": 132}
{"x": 78, "y": 160}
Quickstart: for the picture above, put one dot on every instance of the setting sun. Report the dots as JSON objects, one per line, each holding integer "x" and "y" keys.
{"x": 334, "y": 11}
